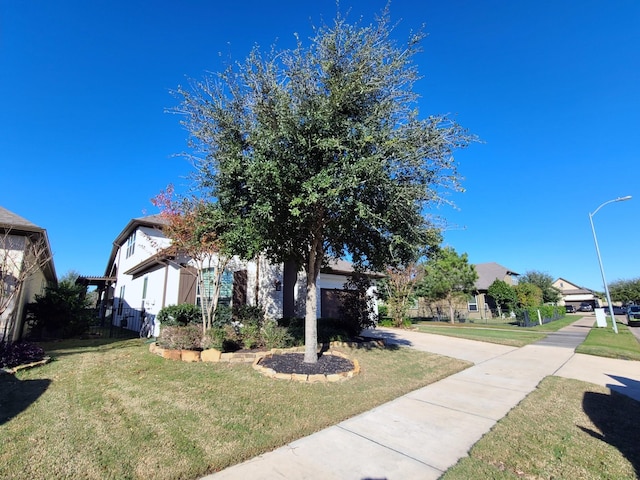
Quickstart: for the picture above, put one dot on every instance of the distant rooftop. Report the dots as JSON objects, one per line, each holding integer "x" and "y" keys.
{"x": 9, "y": 219}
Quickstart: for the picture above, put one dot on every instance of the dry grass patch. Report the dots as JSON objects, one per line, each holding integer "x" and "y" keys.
{"x": 116, "y": 411}
{"x": 565, "y": 429}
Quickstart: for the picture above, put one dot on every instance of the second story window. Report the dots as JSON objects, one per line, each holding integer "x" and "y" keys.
{"x": 131, "y": 244}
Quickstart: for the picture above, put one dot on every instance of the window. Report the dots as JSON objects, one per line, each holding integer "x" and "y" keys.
{"x": 472, "y": 303}
{"x": 131, "y": 244}
{"x": 121, "y": 300}
{"x": 144, "y": 288}
{"x": 226, "y": 287}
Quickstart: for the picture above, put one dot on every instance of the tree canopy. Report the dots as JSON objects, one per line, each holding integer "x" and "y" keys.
{"x": 504, "y": 295}
{"x": 544, "y": 282}
{"x": 448, "y": 276}
{"x": 625, "y": 291}
{"x": 319, "y": 152}
{"x": 529, "y": 295}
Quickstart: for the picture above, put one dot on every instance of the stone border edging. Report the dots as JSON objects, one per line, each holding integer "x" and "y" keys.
{"x": 13, "y": 370}
{"x": 214, "y": 355}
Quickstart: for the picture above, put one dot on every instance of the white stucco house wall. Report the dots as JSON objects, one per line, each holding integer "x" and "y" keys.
{"x": 144, "y": 277}
{"x": 22, "y": 276}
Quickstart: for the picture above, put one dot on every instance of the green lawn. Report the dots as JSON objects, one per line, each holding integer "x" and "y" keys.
{"x": 565, "y": 429}
{"x": 511, "y": 335}
{"x": 604, "y": 342}
{"x": 601, "y": 342}
{"x": 110, "y": 409}
{"x": 115, "y": 411}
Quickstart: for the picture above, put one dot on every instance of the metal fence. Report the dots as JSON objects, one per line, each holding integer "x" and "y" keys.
{"x": 119, "y": 323}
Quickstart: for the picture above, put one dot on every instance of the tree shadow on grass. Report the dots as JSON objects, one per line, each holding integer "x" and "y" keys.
{"x": 63, "y": 348}
{"x": 391, "y": 340}
{"x": 16, "y": 395}
{"x": 617, "y": 416}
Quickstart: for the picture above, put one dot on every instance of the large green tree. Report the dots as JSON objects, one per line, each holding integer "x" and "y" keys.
{"x": 448, "y": 276}
{"x": 544, "y": 282}
{"x": 322, "y": 152}
{"x": 62, "y": 311}
{"x": 625, "y": 291}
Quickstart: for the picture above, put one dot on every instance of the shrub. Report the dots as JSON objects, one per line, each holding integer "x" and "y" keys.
{"x": 214, "y": 338}
{"x": 223, "y": 316}
{"x": 357, "y": 310}
{"x": 274, "y": 336}
{"x": 61, "y": 312}
{"x": 249, "y": 315}
{"x": 180, "y": 315}
{"x": 386, "y": 322}
{"x": 19, "y": 353}
{"x": 250, "y": 336}
{"x": 187, "y": 337}
{"x": 528, "y": 317}
{"x": 329, "y": 330}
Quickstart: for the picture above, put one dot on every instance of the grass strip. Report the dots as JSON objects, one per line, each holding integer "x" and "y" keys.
{"x": 564, "y": 429}
{"x": 604, "y": 342}
{"x": 511, "y": 335}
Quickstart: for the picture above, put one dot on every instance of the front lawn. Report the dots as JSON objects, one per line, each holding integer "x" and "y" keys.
{"x": 105, "y": 410}
{"x": 511, "y": 335}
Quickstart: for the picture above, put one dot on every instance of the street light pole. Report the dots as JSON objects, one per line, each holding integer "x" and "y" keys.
{"x": 595, "y": 240}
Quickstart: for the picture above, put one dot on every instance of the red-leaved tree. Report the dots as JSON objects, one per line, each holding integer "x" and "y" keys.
{"x": 194, "y": 228}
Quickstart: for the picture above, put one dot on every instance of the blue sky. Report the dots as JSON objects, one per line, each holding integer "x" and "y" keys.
{"x": 551, "y": 87}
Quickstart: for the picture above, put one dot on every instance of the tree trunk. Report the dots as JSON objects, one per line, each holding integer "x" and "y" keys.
{"x": 451, "y": 314}
{"x": 310, "y": 318}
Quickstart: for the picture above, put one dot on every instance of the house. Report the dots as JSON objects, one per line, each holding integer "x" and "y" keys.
{"x": 26, "y": 269}
{"x": 575, "y": 295}
{"x": 475, "y": 306}
{"x": 481, "y": 305}
{"x": 143, "y": 275}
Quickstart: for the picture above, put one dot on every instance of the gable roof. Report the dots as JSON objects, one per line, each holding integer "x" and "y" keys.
{"x": 10, "y": 222}
{"x": 570, "y": 288}
{"x": 153, "y": 221}
{"x": 489, "y": 272}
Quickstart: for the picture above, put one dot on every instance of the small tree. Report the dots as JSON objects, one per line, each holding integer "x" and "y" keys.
{"x": 21, "y": 256}
{"x": 196, "y": 229}
{"x": 544, "y": 282}
{"x": 449, "y": 277}
{"x": 529, "y": 295}
{"x": 504, "y": 295}
{"x": 399, "y": 289}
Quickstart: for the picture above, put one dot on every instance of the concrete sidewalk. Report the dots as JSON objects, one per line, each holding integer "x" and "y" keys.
{"x": 421, "y": 434}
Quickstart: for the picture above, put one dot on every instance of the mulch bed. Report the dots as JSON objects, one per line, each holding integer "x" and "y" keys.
{"x": 294, "y": 363}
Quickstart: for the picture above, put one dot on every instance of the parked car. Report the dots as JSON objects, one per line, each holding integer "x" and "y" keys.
{"x": 585, "y": 307}
{"x": 616, "y": 310}
{"x": 633, "y": 315}
{"x": 570, "y": 309}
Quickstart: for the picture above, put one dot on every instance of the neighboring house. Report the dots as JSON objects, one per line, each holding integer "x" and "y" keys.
{"x": 575, "y": 295}
{"x": 477, "y": 305}
{"x": 142, "y": 276}
{"x": 481, "y": 305}
{"x": 26, "y": 268}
